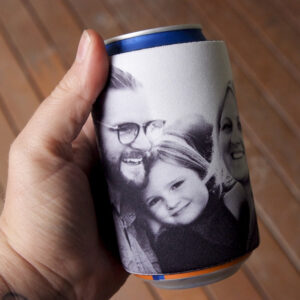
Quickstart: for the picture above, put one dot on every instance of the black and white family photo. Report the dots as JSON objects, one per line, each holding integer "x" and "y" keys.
{"x": 179, "y": 186}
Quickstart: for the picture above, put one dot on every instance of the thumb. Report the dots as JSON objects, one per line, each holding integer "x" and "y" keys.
{"x": 60, "y": 117}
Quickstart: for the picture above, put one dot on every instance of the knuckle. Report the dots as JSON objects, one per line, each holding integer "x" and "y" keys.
{"x": 68, "y": 85}
{"x": 24, "y": 148}
{"x": 15, "y": 150}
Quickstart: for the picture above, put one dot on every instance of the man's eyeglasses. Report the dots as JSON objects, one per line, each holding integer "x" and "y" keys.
{"x": 128, "y": 132}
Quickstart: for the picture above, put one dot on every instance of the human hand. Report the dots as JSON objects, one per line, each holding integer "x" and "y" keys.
{"x": 50, "y": 246}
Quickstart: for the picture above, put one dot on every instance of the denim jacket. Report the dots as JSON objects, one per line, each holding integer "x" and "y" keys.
{"x": 134, "y": 245}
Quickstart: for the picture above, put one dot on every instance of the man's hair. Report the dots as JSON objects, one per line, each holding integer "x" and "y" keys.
{"x": 117, "y": 79}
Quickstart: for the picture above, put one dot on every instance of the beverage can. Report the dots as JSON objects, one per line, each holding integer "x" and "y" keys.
{"x": 171, "y": 145}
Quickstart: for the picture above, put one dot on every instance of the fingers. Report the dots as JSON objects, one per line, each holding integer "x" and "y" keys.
{"x": 59, "y": 119}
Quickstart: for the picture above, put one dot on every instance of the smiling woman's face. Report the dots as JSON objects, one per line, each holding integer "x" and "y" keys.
{"x": 231, "y": 141}
{"x": 175, "y": 195}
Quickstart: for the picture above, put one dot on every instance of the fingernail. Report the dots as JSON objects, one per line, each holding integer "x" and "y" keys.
{"x": 83, "y": 46}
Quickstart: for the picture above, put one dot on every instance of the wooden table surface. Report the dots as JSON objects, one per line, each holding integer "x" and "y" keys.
{"x": 38, "y": 40}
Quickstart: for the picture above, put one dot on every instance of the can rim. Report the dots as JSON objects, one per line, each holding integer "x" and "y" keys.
{"x": 150, "y": 31}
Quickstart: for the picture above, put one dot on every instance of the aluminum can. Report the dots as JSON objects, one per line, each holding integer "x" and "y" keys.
{"x": 170, "y": 141}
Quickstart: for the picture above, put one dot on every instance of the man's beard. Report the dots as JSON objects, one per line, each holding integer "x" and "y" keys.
{"x": 133, "y": 175}
{"x": 130, "y": 171}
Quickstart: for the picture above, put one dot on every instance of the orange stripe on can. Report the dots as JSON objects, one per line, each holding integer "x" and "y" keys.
{"x": 194, "y": 273}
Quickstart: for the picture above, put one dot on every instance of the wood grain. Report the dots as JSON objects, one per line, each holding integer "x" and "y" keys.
{"x": 263, "y": 122}
{"x": 40, "y": 58}
{"x": 132, "y": 16}
{"x": 272, "y": 270}
{"x": 275, "y": 204}
{"x": 189, "y": 294}
{"x": 233, "y": 287}
{"x": 269, "y": 26}
{"x": 16, "y": 92}
{"x": 290, "y": 10}
{"x": 94, "y": 14}
{"x": 134, "y": 289}
{"x": 60, "y": 26}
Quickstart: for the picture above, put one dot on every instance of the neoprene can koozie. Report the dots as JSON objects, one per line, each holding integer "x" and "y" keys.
{"x": 170, "y": 141}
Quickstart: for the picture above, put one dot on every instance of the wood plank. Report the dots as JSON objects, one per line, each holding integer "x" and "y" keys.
{"x": 234, "y": 288}
{"x": 189, "y": 294}
{"x": 40, "y": 58}
{"x": 172, "y": 12}
{"x": 293, "y": 5}
{"x": 281, "y": 38}
{"x": 290, "y": 9}
{"x": 133, "y": 289}
{"x": 16, "y": 92}
{"x": 263, "y": 122}
{"x": 60, "y": 25}
{"x": 281, "y": 89}
{"x": 94, "y": 14}
{"x": 275, "y": 204}
{"x": 7, "y": 137}
{"x": 272, "y": 270}
{"x": 136, "y": 12}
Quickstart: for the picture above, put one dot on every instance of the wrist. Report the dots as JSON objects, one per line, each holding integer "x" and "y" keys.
{"x": 19, "y": 277}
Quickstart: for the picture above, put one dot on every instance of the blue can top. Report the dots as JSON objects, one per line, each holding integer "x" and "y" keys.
{"x": 153, "y": 38}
